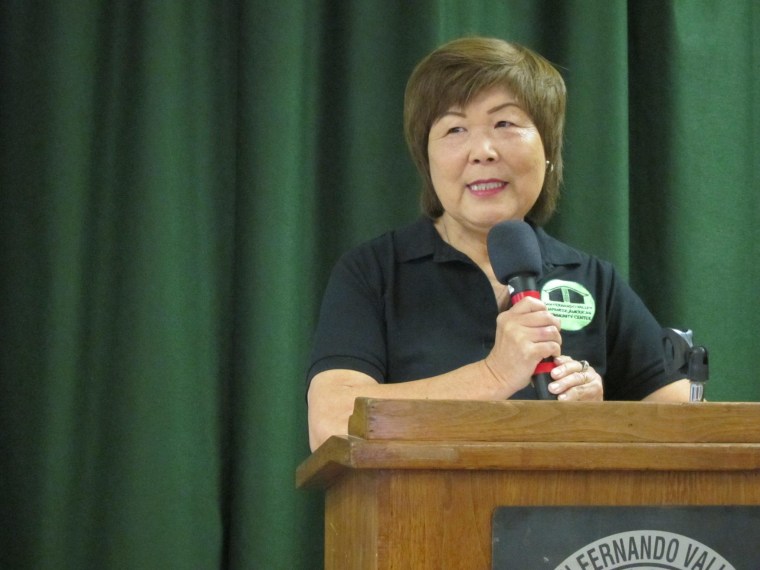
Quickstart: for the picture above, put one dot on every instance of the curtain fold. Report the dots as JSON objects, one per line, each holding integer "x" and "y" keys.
{"x": 176, "y": 181}
{"x": 694, "y": 165}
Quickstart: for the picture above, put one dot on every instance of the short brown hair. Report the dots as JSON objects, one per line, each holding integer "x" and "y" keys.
{"x": 455, "y": 73}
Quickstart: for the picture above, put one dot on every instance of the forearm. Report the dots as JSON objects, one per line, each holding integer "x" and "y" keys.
{"x": 678, "y": 391}
{"x": 332, "y": 394}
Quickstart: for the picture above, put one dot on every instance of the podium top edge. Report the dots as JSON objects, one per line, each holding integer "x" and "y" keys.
{"x": 551, "y": 421}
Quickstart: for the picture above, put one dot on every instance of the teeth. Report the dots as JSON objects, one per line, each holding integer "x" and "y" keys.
{"x": 486, "y": 186}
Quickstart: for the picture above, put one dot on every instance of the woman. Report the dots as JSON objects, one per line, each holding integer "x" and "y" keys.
{"x": 418, "y": 313}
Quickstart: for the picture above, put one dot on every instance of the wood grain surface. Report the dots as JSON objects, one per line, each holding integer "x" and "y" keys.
{"x": 416, "y": 483}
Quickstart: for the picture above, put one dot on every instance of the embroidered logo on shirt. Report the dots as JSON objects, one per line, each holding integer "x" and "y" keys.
{"x": 569, "y": 301}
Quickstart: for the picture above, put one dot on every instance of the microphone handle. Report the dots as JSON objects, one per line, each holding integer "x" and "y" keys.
{"x": 525, "y": 286}
{"x": 541, "y": 378}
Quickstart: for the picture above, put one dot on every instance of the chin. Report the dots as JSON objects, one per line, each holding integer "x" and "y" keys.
{"x": 493, "y": 220}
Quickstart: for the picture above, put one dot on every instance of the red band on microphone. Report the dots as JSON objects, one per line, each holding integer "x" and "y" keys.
{"x": 544, "y": 367}
{"x": 519, "y": 296}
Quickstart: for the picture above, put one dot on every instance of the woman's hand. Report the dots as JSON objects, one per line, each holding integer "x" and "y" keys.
{"x": 575, "y": 380}
{"x": 525, "y": 334}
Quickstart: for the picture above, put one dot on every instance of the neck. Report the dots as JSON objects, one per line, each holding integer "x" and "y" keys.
{"x": 474, "y": 244}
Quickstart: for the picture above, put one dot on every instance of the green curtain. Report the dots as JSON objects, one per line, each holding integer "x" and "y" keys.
{"x": 177, "y": 179}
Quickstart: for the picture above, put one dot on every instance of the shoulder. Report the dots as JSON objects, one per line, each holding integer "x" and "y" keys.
{"x": 555, "y": 252}
{"x": 568, "y": 268}
{"x": 373, "y": 262}
{"x": 405, "y": 243}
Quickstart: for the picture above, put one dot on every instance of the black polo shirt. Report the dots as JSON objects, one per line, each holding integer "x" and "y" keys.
{"x": 407, "y": 305}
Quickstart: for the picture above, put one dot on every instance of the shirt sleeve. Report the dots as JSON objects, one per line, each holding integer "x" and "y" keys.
{"x": 636, "y": 365}
{"x": 350, "y": 332}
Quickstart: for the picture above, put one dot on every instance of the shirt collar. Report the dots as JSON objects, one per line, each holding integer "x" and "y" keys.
{"x": 554, "y": 252}
{"x": 420, "y": 239}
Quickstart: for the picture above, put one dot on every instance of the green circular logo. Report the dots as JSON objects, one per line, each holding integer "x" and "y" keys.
{"x": 569, "y": 301}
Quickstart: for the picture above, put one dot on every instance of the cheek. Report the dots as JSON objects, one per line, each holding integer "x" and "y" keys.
{"x": 440, "y": 183}
{"x": 443, "y": 165}
{"x": 533, "y": 160}
{"x": 533, "y": 148}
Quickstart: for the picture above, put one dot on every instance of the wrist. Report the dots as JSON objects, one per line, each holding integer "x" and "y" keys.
{"x": 504, "y": 384}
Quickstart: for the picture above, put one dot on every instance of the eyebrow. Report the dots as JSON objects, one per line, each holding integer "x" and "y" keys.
{"x": 490, "y": 111}
{"x": 500, "y": 107}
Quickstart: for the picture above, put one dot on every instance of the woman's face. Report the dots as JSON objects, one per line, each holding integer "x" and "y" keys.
{"x": 487, "y": 161}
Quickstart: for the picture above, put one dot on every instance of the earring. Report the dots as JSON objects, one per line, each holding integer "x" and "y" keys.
{"x": 550, "y": 166}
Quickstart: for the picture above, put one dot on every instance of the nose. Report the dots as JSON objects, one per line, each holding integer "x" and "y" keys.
{"x": 483, "y": 149}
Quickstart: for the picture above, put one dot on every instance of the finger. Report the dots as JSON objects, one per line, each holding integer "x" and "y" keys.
{"x": 568, "y": 377}
{"x": 538, "y": 326}
{"x": 591, "y": 389}
{"x": 528, "y": 305}
{"x": 548, "y": 333}
{"x": 538, "y": 319}
{"x": 574, "y": 393}
{"x": 568, "y": 368}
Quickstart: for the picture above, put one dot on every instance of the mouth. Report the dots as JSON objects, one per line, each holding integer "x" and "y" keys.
{"x": 486, "y": 187}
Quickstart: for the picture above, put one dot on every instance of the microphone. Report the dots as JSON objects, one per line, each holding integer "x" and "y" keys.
{"x": 516, "y": 261}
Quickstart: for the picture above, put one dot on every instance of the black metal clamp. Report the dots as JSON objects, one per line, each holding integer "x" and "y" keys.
{"x": 684, "y": 360}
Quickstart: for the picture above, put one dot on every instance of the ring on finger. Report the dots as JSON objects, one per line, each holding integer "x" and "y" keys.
{"x": 584, "y": 365}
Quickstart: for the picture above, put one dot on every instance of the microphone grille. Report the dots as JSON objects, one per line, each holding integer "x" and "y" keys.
{"x": 513, "y": 250}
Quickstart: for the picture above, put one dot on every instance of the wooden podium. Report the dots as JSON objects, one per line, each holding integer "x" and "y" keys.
{"x": 415, "y": 483}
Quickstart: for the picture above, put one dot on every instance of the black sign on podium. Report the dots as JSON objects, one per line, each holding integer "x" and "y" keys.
{"x": 627, "y": 538}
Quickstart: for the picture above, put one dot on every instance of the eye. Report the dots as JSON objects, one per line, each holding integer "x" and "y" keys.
{"x": 455, "y": 130}
{"x": 500, "y": 124}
